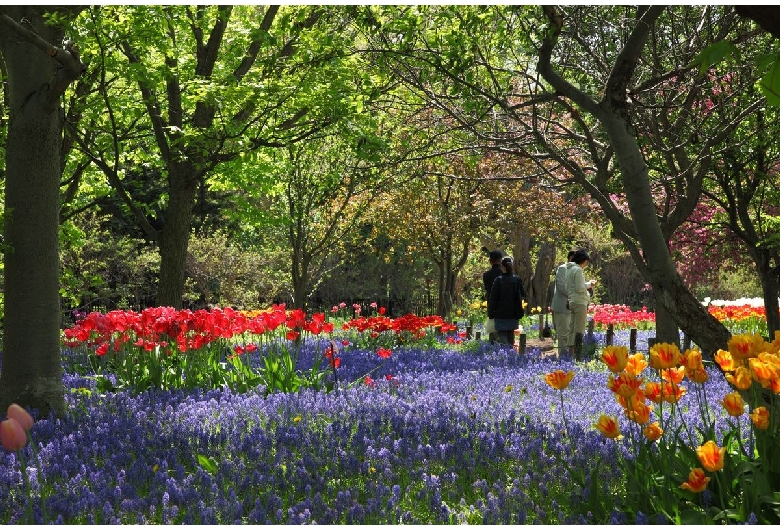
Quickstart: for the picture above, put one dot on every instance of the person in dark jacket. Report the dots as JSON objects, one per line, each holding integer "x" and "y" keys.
{"x": 505, "y": 304}
{"x": 488, "y": 277}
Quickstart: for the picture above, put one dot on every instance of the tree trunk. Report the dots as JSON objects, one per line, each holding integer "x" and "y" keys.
{"x": 770, "y": 287}
{"x": 539, "y": 285}
{"x": 666, "y": 329}
{"x": 31, "y": 368}
{"x": 689, "y": 314}
{"x": 175, "y": 236}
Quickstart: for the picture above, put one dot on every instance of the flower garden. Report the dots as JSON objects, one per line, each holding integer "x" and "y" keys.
{"x": 278, "y": 417}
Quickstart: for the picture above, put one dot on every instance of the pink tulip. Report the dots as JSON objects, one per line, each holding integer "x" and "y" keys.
{"x": 12, "y": 435}
{"x": 19, "y": 414}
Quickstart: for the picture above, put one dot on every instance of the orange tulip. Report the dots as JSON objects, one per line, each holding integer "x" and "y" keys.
{"x": 744, "y": 346}
{"x": 697, "y": 481}
{"x": 608, "y": 426}
{"x": 711, "y": 456}
{"x": 760, "y": 418}
{"x": 673, "y": 375}
{"x": 697, "y": 375}
{"x": 725, "y": 360}
{"x": 627, "y": 402}
{"x": 763, "y": 372}
{"x": 615, "y": 357}
{"x": 559, "y": 379}
{"x": 664, "y": 355}
{"x": 653, "y": 431}
{"x": 22, "y": 416}
{"x": 624, "y": 385}
{"x": 692, "y": 358}
{"x": 734, "y": 404}
{"x": 12, "y": 435}
{"x": 673, "y": 393}
{"x": 652, "y": 391}
{"x": 636, "y": 364}
{"x": 741, "y": 378}
{"x": 639, "y": 412}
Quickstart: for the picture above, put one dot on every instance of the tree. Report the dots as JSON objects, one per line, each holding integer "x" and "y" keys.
{"x": 40, "y": 64}
{"x": 327, "y": 184}
{"x": 528, "y": 210}
{"x": 188, "y": 89}
{"x": 617, "y": 114}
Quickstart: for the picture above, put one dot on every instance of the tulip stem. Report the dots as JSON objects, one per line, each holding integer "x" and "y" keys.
{"x": 563, "y": 413}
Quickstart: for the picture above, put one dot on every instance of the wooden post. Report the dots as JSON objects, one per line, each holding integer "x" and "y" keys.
{"x": 591, "y": 324}
{"x": 541, "y": 326}
{"x": 610, "y": 334}
{"x": 632, "y": 340}
{"x": 521, "y": 345}
{"x": 477, "y": 335}
{"x": 650, "y": 342}
{"x": 469, "y": 331}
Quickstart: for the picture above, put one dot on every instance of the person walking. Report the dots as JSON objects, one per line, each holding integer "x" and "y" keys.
{"x": 560, "y": 308}
{"x": 488, "y": 277}
{"x": 578, "y": 291}
{"x": 505, "y": 304}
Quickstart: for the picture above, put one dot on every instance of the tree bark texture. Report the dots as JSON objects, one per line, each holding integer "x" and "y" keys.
{"x": 31, "y": 368}
{"x": 175, "y": 236}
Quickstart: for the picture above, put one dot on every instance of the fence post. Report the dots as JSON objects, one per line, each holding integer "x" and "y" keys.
{"x": 521, "y": 346}
{"x": 610, "y": 334}
{"x": 541, "y": 326}
{"x": 632, "y": 340}
{"x": 591, "y": 324}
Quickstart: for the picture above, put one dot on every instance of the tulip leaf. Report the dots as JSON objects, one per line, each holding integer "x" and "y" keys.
{"x": 208, "y": 463}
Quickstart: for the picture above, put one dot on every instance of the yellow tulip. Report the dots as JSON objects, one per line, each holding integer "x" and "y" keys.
{"x": 608, "y": 426}
{"x": 615, "y": 357}
{"x": 664, "y": 355}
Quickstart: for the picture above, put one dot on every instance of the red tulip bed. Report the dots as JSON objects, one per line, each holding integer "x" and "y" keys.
{"x": 279, "y": 417}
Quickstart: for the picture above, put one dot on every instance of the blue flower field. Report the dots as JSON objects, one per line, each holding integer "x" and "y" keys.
{"x": 444, "y": 435}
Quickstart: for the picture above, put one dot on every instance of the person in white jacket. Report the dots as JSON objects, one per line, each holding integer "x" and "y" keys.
{"x": 560, "y": 308}
{"x": 578, "y": 292}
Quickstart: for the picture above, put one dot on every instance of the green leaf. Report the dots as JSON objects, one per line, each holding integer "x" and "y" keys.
{"x": 770, "y": 84}
{"x": 713, "y": 54}
{"x": 208, "y": 463}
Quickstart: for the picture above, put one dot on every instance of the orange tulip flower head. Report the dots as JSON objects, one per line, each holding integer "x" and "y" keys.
{"x": 734, "y": 404}
{"x": 697, "y": 481}
{"x": 653, "y": 431}
{"x": 760, "y": 418}
{"x": 615, "y": 357}
{"x": 711, "y": 456}
{"x": 664, "y": 355}
{"x": 559, "y": 379}
{"x": 608, "y": 426}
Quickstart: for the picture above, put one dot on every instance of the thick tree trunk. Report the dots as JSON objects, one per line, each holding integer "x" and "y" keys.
{"x": 689, "y": 314}
{"x": 31, "y": 363}
{"x": 175, "y": 236}
{"x": 770, "y": 287}
{"x": 666, "y": 329}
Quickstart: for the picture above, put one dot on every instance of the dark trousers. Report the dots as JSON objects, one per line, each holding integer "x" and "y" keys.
{"x": 506, "y": 336}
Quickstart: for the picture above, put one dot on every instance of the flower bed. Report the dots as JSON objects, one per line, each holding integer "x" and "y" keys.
{"x": 402, "y": 427}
